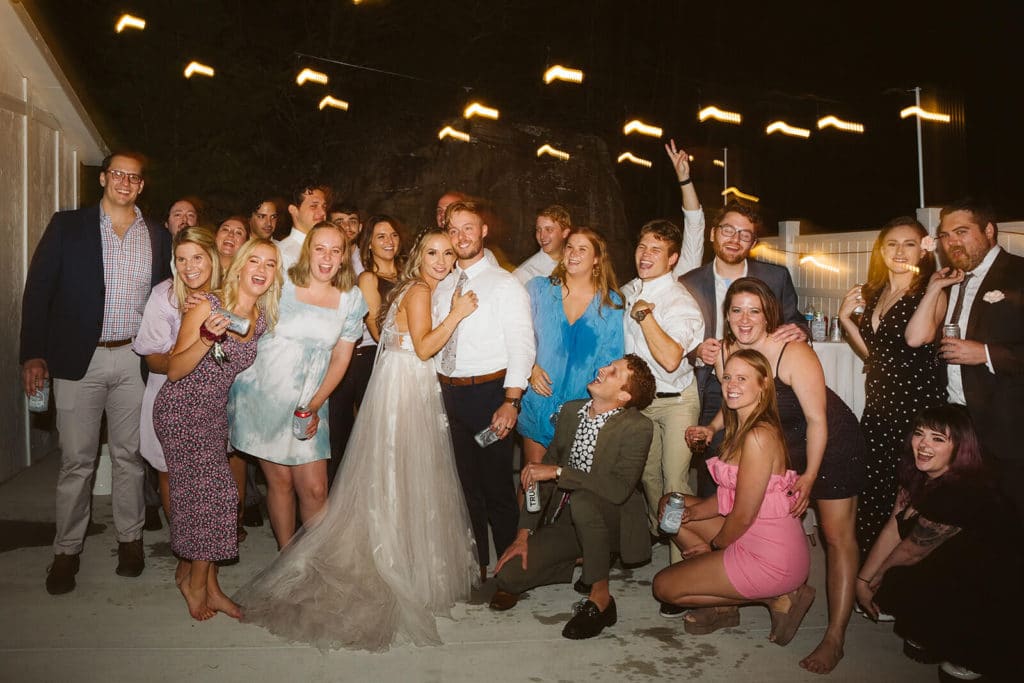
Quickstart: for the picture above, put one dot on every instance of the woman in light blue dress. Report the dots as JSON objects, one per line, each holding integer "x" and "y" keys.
{"x": 298, "y": 365}
{"x": 577, "y": 321}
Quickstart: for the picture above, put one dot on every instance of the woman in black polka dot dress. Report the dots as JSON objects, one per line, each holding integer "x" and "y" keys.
{"x": 896, "y": 336}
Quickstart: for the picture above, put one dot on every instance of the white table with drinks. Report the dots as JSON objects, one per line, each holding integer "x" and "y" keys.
{"x": 844, "y": 369}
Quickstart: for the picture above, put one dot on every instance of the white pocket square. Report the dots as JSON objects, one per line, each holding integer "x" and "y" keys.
{"x": 993, "y": 296}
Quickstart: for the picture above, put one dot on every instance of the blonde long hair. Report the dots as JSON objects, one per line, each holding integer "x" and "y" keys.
{"x": 410, "y": 273}
{"x": 344, "y": 279}
{"x": 269, "y": 301}
{"x": 766, "y": 412}
{"x": 204, "y": 239}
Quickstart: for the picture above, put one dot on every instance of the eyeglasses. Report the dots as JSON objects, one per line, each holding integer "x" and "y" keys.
{"x": 745, "y": 236}
{"x": 118, "y": 175}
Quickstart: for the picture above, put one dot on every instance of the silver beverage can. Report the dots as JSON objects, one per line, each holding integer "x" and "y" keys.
{"x": 236, "y": 323}
{"x": 672, "y": 516}
{"x": 300, "y": 422}
{"x": 951, "y": 331}
{"x": 533, "y": 498}
{"x": 485, "y": 437}
{"x": 40, "y": 400}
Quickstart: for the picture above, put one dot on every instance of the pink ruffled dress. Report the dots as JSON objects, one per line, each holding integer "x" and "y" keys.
{"x": 771, "y": 557}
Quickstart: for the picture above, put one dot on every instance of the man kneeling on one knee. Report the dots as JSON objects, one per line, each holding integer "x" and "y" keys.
{"x": 590, "y": 505}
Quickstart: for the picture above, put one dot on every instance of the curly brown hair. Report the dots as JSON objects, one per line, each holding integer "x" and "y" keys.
{"x": 641, "y": 385}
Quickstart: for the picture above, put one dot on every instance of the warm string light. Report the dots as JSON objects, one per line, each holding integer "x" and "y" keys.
{"x": 786, "y": 129}
{"x": 818, "y": 263}
{"x": 741, "y": 195}
{"x": 839, "y": 124}
{"x": 563, "y": 73}
{"x": 719, "y": 163}
{"x": 551, "y": 151}
{"x": 477, "y": 109}
{"x": 334, "y": 102}
{"x": 719, "y": 115}
{"x": 197, "y": 68}
{"x": 449, "y": 132}
{"x": 638, "y": 126}
{"x": 633, "y": 159}
{"x": 128, "y": 21}
{"x": 923, "y": 114}
{"x": 311, "y": 75}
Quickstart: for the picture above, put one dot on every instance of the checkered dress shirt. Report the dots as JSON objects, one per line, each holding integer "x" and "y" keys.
{"x": 127, "y": 275}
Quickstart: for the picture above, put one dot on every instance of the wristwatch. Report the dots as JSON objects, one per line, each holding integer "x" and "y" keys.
{"x": 640, "y": 315}
{"x": 517, "y": 403}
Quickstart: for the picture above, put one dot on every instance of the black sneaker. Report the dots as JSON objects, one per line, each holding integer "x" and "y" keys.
{"x": 589, "y": 621}
{"x": 131, "y": 559}
{"x": 60, "y": 576}
{"x": 153, "y": 522}
{"x": 672, "y": 611}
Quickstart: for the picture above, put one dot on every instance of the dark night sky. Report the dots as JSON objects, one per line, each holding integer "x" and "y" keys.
{"x": 656, "y": 60}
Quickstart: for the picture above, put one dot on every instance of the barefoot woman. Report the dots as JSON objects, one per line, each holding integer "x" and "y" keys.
{"x": 190, "y": 417}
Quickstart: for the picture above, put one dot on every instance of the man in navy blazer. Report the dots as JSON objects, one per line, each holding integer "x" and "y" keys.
{"x": 733, "y": 235}
{"x": 87, "y": 286}
{"x": 985, "y": 368}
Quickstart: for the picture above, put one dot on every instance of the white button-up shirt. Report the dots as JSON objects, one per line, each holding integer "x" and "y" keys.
{"x": 691, "y": 251}
{"x": 538, "y": 265}
{"x": 499, "y": 333}
{"x": 955, "y": 380}
{"x": 290, "y": 248}
{"x": 679, "y": 316}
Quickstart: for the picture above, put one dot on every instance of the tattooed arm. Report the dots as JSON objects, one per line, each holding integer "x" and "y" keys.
{"x": 925, "y": 537}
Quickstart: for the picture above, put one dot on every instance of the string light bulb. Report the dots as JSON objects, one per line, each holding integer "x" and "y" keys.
{"x": 633, "y": 159}
{"x": 719, "y": 115}
{"x": 551, "y": 151}
{"x": 198, "y": 68}
{"x": 740, "y": 195}
{"x": 129, "y": 21}
{"x": 563, "y": 73}
{"x": 839, "y": 124}
{"x": 924, "y": 114}
{"x": 477, "y": 109}
{"x": 311, "y": 75}
{"x": 818, "y": 263}
{"x": 786, "y": 129}
{"x": 333, "y": 102}
{"x": 638, "y": 126}
{"x": 449, "y": 132}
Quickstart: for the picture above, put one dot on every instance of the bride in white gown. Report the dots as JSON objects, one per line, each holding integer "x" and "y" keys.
{"x": 393, "y": 547}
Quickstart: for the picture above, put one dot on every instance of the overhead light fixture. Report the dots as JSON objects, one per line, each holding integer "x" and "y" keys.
{"x": 924, "y": 115}
{"x": 818, "y": 263}
{"x": 310, "y": 75}
{"x": 551, "y": 151}
{"x": 719, "y": 163}
{"x": 741, "y": 195}
{"x": 197, "y": 68}
{"x": 449, "y": 132}
{"x": 786, "y": 129}
{"x": 633, "y": 159}
{"x": 128, "y": 21}
{"x": 477, "y": 109}
{"x": 563, "y": 73}
{"x": 719, "y": 115}
{"x": 848, "y": 126}
{"x": 638, "y": 126}
{"x": 333, "y": 102}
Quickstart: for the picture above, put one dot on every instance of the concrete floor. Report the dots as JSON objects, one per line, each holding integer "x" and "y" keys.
{"x": 116, "y": 629}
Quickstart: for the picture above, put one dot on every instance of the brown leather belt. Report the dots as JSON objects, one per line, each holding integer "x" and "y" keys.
{"x": 467, "y": 381}
{"x": 113, "y": 344}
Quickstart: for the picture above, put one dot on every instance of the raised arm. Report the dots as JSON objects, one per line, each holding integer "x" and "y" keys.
{"x": 426, "y": 339}
{"x": 924, "y": 325}
{"x": 692, "y": 250}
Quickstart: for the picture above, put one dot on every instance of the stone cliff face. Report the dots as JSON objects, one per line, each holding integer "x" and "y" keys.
{"x": 499, "y": 166}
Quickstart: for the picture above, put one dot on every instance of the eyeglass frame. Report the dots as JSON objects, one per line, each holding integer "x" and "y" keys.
{"x": 727, "y": 230}
{"x": 117, "y": 175}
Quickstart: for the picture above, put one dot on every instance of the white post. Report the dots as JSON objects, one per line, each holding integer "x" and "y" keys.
{"x": 789, "y": 231}
{"x": 929, "y": 217}
{"x": 920, "y": 155}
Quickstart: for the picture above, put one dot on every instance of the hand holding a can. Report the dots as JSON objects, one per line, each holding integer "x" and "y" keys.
{"x": 536, "y": 472}
{"x": 962, "y": 351}
{"x": 33, "y": 375}
{"x": 698, "y": 437}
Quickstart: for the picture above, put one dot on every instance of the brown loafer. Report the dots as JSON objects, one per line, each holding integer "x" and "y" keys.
{"x": 60, "y": 576}
{"x": 503, "y": 601}
{"x": 131, "y": 559}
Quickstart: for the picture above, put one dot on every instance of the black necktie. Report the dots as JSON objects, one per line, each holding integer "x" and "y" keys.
{"x": 961, "y": 292}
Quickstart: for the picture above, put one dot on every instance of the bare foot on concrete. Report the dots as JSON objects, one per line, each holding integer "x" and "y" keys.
{"x": 196, "y": 601}
{"x": 222, "y": 603}
{"x": 824, "y": 658}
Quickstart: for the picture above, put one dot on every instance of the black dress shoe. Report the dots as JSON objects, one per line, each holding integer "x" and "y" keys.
{"x": 502, "y": 601}
{"x": 251, "y": 515}
{"x": 590, "y": 621}
{"x": 153, "y": 522}
{"x": 60, "y": 576}
{"x": 131, "y": 559}
{"x": 582, "y": 588}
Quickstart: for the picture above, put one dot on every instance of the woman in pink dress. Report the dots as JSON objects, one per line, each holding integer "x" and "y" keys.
{"x": 743, "y": 545}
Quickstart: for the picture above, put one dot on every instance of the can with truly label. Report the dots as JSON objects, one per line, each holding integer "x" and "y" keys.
{"x": 951, "y": 331}
{"x": 300, "y": 422}
{"x": 672, "y": 516}
{"x": 533, "y": 498}
{"x": 485, "y": 437}
{"x": 40, "y": 400}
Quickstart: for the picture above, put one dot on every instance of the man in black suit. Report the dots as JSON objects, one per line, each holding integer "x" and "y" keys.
{"x": 593, "y": 508}
{"x": 734, "y": 234}
{"x": 986, "y": 366}
{"x": 87, "y": 285}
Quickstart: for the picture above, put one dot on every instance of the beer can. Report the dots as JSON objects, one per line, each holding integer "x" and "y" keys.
{"x": 951, "y": 331}
{"x": 40, "y": 400}
{"x": 672, "y": 516}
{"x": 485, "y": 437}
{"x": 300, "y": 422}
{"x": 236, "y": 323}
{"x": 533, "y": 498}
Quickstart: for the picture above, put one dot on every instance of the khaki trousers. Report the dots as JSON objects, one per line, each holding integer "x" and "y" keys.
{"x": 112, "y": 384}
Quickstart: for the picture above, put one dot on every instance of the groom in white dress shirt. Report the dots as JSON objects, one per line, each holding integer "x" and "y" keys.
{"x": 483, "y": 372}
